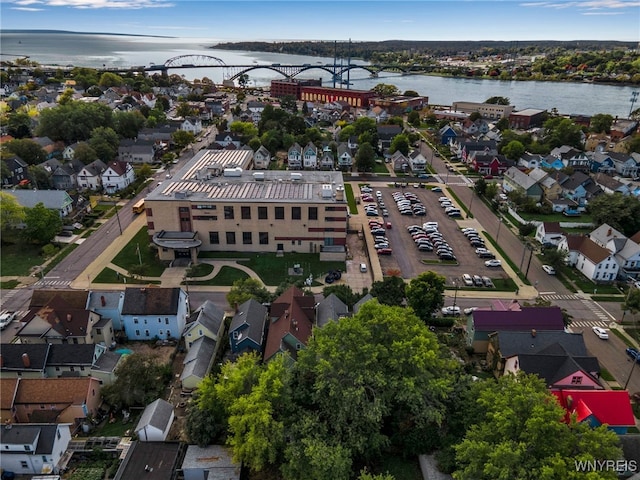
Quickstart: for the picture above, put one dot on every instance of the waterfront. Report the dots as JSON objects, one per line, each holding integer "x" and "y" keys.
{"x": 91, "y": 50}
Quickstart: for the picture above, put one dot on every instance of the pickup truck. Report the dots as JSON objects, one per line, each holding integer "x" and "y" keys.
{"x": 6, "y": 319}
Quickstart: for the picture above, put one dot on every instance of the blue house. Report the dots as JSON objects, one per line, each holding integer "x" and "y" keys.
{"x": 550, "y": 162}
{"x": 447, "y": 134}
{"x": 601, "y": 162}
{"x": 108, "y": 303}
{"x": 247, "y": 327}
{"x": 150, "y": 312}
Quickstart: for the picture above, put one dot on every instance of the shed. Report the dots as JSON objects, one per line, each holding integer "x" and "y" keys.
{"x": 213, "y": 462}
{"x": 155, "y": 421}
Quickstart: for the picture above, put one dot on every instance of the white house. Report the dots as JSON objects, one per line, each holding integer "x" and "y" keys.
{"x": 628, "y": 258}
{"x": 261, "y": 158}
{"x": 417, "y": 161}
{"x": 310, "y": 156}
{"x": 117, "y": 176}
{"x": 206, "y": 321}
{"x": 294, "y": 156}
{"x": 155, "y": 422}
{"x": 595, "y": 262}
{"x": 191, "y": 125}
{"x": 90, "y": 176}
{"x": 549, "y": 232}
{"x": 345, "y": 159}
{"x": 33, "y": 449}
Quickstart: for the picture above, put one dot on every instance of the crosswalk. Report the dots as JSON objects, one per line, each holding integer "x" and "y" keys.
{"x": 561, "y": 297}
{"x": 587, "y": 324}
{"x": 19, "y": 314}
{"x": 45, "y": 282}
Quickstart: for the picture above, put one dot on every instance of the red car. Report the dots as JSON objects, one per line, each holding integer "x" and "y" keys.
{"x": 384, "y": 251}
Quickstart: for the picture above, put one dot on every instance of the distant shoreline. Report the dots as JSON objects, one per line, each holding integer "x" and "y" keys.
{"x": 69, "y": 32}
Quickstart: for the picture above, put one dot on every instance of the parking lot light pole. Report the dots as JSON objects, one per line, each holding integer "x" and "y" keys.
{"x": 499, "y": 225}
{"x": 455, "y": 295}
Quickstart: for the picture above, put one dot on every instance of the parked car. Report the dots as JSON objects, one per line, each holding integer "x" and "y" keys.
{"x": 384, "y": 251}
{"x": 6, "y": 319}
{"x": 466, "y": 278}
{"x": 601, "y": 333}
{"x": 451, "y": 310}
{"x": 486, "y": 254}
{"x": 436, "y": 189}
{"x": 477, "y": 280}
{"x": 633, "y": 354}
{"x": 487, "y": 282}
{"x": 493, "y": 263}
{"x": 470, "y": 310}
{"x": 549, "y": 269}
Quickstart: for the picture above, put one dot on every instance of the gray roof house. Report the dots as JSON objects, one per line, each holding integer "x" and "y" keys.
{"x": 514, "y": 179}
{"x": 197, "y": 362}
{"x": 213, "y": 462}
{"x": 207, "y": 321}
{"x": 246, "y": 331}
{"x": 155, "y": 422}
{"x": 90, "y": 175}
{"x": 361, "y": 302}
{"x": 330, "y": 308}
{"x": 57, "y": 200}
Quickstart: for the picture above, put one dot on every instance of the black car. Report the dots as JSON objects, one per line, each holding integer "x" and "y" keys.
{"x": 333, "y": 276}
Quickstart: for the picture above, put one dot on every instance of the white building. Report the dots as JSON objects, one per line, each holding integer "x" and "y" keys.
{"x": 155, "y": 421}
{"x": 33, "y": 449}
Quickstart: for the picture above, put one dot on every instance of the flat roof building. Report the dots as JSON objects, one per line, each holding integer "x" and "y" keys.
{"x": 205, "y": 207}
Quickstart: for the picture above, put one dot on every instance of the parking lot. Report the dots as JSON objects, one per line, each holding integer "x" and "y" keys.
{"x": 408, "y": 260}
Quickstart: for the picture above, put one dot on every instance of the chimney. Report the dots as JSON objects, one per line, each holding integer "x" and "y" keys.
{"x": 609, "y": 233}
{"x": 25, "y": 360}
{"x": 533, "y": 332}
{"x": 103, "y": 301}
{"x": 69, "y": 317}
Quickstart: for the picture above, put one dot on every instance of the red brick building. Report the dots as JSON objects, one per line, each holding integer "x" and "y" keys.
{"x": 281, "y": 88}
{"x": 526, "y": 119}
{"x": 355, "y": 98}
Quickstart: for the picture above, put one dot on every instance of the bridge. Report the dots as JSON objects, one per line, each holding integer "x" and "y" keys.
{"x": 234, "y": 72}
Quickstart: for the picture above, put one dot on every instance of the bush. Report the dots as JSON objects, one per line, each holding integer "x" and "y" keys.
{"x": 445, "y": 322}
{"x": 526, "y": 229}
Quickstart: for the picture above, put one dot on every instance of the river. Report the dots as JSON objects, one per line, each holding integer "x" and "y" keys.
{"x": 97, "y": 51}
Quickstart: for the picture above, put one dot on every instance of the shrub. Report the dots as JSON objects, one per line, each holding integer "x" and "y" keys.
{"x": 445, "y": 322}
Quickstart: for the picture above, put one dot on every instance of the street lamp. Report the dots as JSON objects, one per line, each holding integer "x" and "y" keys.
{"x": 455, "y": 295}
{"x": 499, "y": 225}
{"x": 115, "y": 205}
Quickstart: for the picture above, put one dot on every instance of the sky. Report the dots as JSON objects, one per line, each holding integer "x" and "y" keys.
{"x": 360, "y": 20}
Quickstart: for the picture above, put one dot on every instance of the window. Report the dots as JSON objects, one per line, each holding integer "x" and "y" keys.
{"x": 135, "y": 320}
{"x": 98, "y": 331}
{"x": 313, "y": 213}
{"x": 228, "y": 213}
{"x": 279, "y": 213}
{"x": 27, "y": 448}
{"x": 576, "y": 380}
{"x": 151, "y": 226}
{"x": 234, "y": 335}
{"x": 146, "y": 333}
{"x": 161, "y": 332}
{"x": 296, "y": 213}
{"x": 264, "y": 238}
{"x": 245, "y": 213}
{"x": 231, "y": 238}
{"x": 24, "y": 464}
{"x": 58, "y": 434}
{"x": 137, "y": 333}
{"x": 214, "y": 238}
{"x": 262, "y": 213}
{"x": 246, "y": 238}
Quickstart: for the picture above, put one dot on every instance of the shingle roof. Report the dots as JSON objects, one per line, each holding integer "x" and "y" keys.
{"x": 107, "y": 362}
{"x": 517, "y": 343}
{"x": 151, "y": 301}
{"x": 604, "y": 233}
{"x": 157, "y": 414}
{"x": 209, "y": 315}
{"x": 54, "y": 390}
{"x": 53, "y": 199}
{"x": 73, "y": 298}
{"x": 520, "y": 178}
{"x": 70, "y": 354}
{"x": 198, "y": 358}
{"x": 8, "y": 390}
{"x": 593, "y": 251}
{"x": 526, "y": 319}
{"x": 26, "y": 434}
{"x": 553, "y": 368}
{"x": 253, "y": 314}
{"x": 361, "y": 302}
{"x": 13, "y": 360}
{"x": 330, "y": 308}
{"x": 552, "y": 227}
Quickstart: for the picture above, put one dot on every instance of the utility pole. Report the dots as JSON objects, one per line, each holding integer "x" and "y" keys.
{"x": 115, "y": 205}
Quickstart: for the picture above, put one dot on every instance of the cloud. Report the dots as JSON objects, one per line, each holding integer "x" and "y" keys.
{"x": 28, "y": 9}
{"x": 95, "y": 4}
{"x": 586, "y": 5}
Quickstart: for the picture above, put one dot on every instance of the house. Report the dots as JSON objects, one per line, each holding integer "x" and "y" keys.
{"x": 551, "y": 189}
{"x": 213, "y": 462}
{"x": 487, "y": 164}
{"x": 34, "y": 449}
{"x": 255, "y": 106}
{"x": 17, "y": 171}
{"x": 551, "y": 163}
{"x": 65, "y": 175}
{"x": 261, "y": 158}
{"x": 247, "y": 328}
{"x": 608, "y": 237}
{"x": 526, "y": 119}
{"x": 386, "y": 134}
{"x": 197, "y": 362}
{"x": 206, "y": 321}
{"x": 91, "y": 175}
{"x": 399, "y": 161}
{"x": 330, "y": 308}
{"x": 150, "y": 460}
{"x": 294, "y": 157}
{"x": 155, "y": 421}
{"x": 224, "y": 139}
{"x": 595, "y": 262}
{"x": 361, "y": 302}
{"x": 447, "y": 135}
{"x": 572, "y": 158}
{"x": 310, "y": 156}
{"x": 136, "y": 151}
{"x": 70, "y": 150}
{"x": 579, "y": 187}
{"x": 327, "y": 161}
{"x": 598, "y": 407}
{"x": 549, "y": 232}
{"x": 628, "y": 259}
{"x": 107, "y": 303}
{"x": 525, "y": 319}
{"x": 352, "y": 143}
{"x": 345, "y": 158}
{"x": 117, "y": 176}
{"x": 379, "y": 114}
{"x": 608, "y": 184}
{"x": 66, "y": 400}
{"x": 624, "y": 164}
{"x": 515, "y": 180}
{"x": 24, "y": 360}
{"x": 529, "y": 161}
{"x": 192, "y": 125}
{"x": 290, "y": 324}
{"x": 150, "y": 312}
{"x": 49, "y": 146}
{"x": 8, "y": 390}
{"x": 464, "y": 149}
{"x": 417, "y": 162}
{"x": 601, "y": 162}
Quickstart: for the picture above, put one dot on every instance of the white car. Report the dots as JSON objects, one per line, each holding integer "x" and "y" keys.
{"x": 493, "y": 263}
{"x": 6, "y": 319}
{"x": 549, "y": 269}
{"x": 446, "y": 311}
{"x": 470, "y": 310}
{"x": 601, "y": 333}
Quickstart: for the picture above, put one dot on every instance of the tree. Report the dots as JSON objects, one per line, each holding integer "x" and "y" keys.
{"x": 513, "y": 150}
{"x": 480, "y": 186}
{"x": 343, "y": 292}
{"x": 105, "y": 142}
{"x": 520, "y": 433}
{"x": 389, "y": 291}
{"x": 411, "y": 93}
{"x": 203, "y": 427}
{"x": 498, "y": 100}
{"x": 385, "y": 90}
{"x": 632, "y": 301}
{"x": 491, "y": 191}
{"x": 245, "y": 129}
{"x": 556, "y": 257}
{"x": 622, "y": 212}
{"x": 109, "y": 79}
{"x": 140, "y": 379}
{"x": 85, "y": 153}
{"x": 11, "y": 212}
{"x": 243, "y": 80}
{"x": 74, "y": 121}
{"x": 254, "y": 143}
{"x": 128, "y": 124}
{"x": 182, "y": 138}
{"x": 246, "y": 289}
{"x": 562, "y": 131}
{"x": 424, "y": 294}
{"x": 365, "y": 158}
{"x": 413, "y": 118}
{"x": 27, "y": 150}
{"x": 19, "y": 125}
{"x": 288, "y": 102}
{"x": 475, "y": 116}
{"x": 601, "y": 123}
{"x": 39, "y": 177}
{"x": 400, "y": 143}
{"x": 42, "y": 224}
{"x": 184, "y": 110}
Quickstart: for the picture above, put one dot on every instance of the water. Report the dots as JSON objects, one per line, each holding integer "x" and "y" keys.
{"x": 124, "y": 51}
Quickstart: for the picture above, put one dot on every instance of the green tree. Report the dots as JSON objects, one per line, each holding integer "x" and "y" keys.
{"x": 245, "y": 289}
{"x": 502, "y": 124}
{"x": 491, "y": 191}
{"x": 555, "y": 257}
{"x": 288, "y": 102}
{"x": 105, "y": 142}
{"x": 389, "y": 291}
{"x": 128, "y": 124}
{"x": 140, "y": 379}
{"x": 182, "y": 138}
{"x": 204, "y": 427}
{"x": 184, "y": 110}
{"x": 513, "y": 150}
{"x": 42, "y": 224}
{"x": 425, "y": 294}
{"x": 27, "y": 150}
{"x": 343, "y": 292}
{"x": 85, "y": 153}
{"x": 631, "y": 303}
{"x": 365, "y": 158}
{"x": 601, "y": 123}
{"x": 480, "y": 186}
{"x": 39, "y": 177}
{"x": 400, "y": 143}
{"x": 385, "y": 90}
{"x": 622, "y": 212}
{"x": 475, "y": 116}
{"x": 246, "y": 129}
{"x": 562, "y": 131}
{"x": 254, "y": 144}
{"x": 520, "y": 433}
{"x": 411, "y": 93}
{"x": 19, "y": 125}
{"x": 633, "y": 145}
{"x": 498, "y": 100}
{"x": 11, "y": 212}
{"x": 347, "y": 132}
{"x": 413, "y": 118}
{"x": 74, "y": 121}
{"x": 109, "y": 79}
{"x": 243, "y": 80}
{"x": 145, "y": 171}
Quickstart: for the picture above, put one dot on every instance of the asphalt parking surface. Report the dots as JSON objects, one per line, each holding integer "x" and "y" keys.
{"x": 407, "y": 259}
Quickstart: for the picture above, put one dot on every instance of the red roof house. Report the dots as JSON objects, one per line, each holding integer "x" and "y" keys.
{"x": 598, "y": 407}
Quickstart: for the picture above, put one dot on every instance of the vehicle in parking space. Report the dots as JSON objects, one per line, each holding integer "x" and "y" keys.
{"x": 363, "y": 268}
{"x": 436, "y": 189}
{"x": 444, "y": 199}
{"x": 487, "y": 282}
{"x": 466, "y": 278}
{"x": 633, "y": 354}
{"x": 450, "y": 209}
{"x": 6, "y": 319}
{"x": 477, "y": 280}
{"x": 477, "y": 243}
{"x": 451, "y": 310}
{"x": 455, "y": 213}
{"x": 486, "y": 254}
{"x": 503, "y": 197}
{"x": 549, "y": 269}
{"x": 333, "y": 276}
{"x": 384, "y": 251}
{"x": 366, "y": 189}
{"x": 447, "y": 256}
{"x": 372, "y": 213}
{"x": 385, "y": 213}
{"x": 493, "y": 263}
{"x": 423, "y": 247}
{"x": 430, "y": 224}
{"x": 378, "y": 231}
{"x": 601, "y": 333}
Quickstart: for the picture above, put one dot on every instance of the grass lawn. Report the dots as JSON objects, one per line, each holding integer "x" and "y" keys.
{"x": 110, "y": 276}
{"x": 225, "y": 277}
{"x": 586, "y": 285}
{"x": 274, "y": 270}
{"x": 10, "y": 285}
{"x": 116, "y": 429}
{"x": 556, "y": 217}
{"x": 380, "y": 168}
{"x": 505, "y": 284}
{"x": 348, "y": 192}
{"x": 201, "y": 270}
{"x": 18, "y": 258}
{"x": 128, "y": 256}
{"x": 507, "y": 259}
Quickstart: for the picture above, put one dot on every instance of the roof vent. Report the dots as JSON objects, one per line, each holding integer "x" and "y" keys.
{"x": 25, "y": 360}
